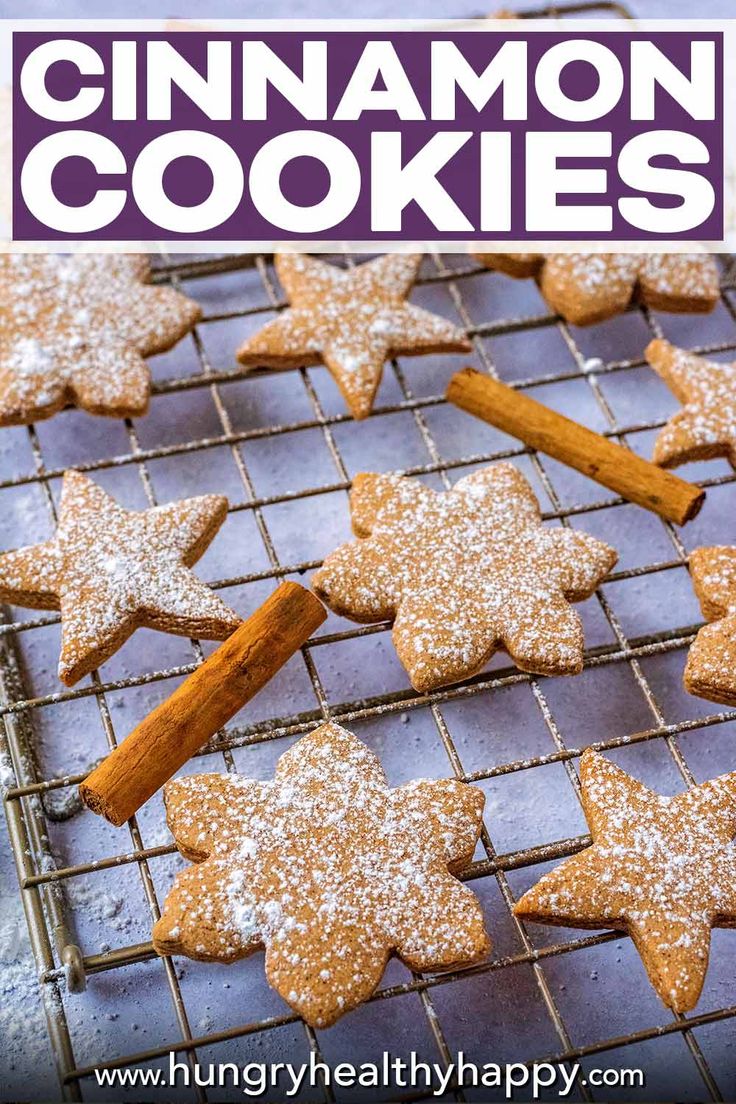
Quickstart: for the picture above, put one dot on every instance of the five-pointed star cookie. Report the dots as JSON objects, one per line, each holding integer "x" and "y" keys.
{"x": 462, "y": 573}
{"x": 351, "y": 320}
{"x": 110, "y": 570}
{"x": 328, "y": 869}
{"x": 661, "y": 868}
{"x": 706, "y": 425}
{"x": 710, "y": 671}
{"x": 75, "y": 330}
{"x": 589, "y": 287}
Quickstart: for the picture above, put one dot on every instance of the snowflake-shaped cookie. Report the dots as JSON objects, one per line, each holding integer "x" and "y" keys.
{"x": 590, "y": 287}
{"x": 110, "y": 570}
{"x": 328, "y": 869}
{"x": 706, "y": 425}
{"x": 710, "y": 671}
{"x": 661, "y": 868}
{"x": 75, "y": 330}
{"x": 462, "y": 573}
{"x": 351, "y": 320}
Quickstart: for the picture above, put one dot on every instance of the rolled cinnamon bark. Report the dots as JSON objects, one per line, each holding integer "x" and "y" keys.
{"x": 604, "y": 460}
{"x": 209, "y": 697}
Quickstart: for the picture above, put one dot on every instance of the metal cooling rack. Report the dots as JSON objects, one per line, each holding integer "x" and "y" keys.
{"x": 59, "y": 960}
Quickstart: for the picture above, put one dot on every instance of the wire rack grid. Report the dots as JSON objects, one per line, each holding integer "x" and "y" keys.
{"x": 43, "y": 882}
{"x": 63, "y": 967}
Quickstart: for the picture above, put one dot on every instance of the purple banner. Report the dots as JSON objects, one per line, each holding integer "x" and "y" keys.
{"x": 440, "y": 136}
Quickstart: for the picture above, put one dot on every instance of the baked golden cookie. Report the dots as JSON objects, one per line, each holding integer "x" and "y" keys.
{"x": 328, "y": 869}
{"x": 462, "y": 573}
{"x": 662, "y": 869}
{"x": 110, "y": 570}
{"x": 710, "y": 671}
{"x": 590, "y": 287}
{"x": 706, "y": 425}
{"x": 352, "y": 320}
{"x": 75, "y": 330}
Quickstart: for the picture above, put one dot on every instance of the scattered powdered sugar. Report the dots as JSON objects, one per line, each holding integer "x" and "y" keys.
{"x": 7, "y": 774}
{"x": 706, "y": 425}
{"x": 329, "y": 868}
{"x": 587, "y": 272}
{"x": 684, "y": 276}
{"x": 663, "y": 868}
{"x": 106, "y": 909}
{"x": 76, "y": 329}
{"x": 25, "y": 1044}
{"x": 29, "y": 357}
{"x": 692, "y": 277}
{"x": 714, "y": 570}
{"x": 711, "y": 665}
{"x": 463, "y": 572}
{"x": 350, "y": 319}
{"x": 109, "y": 569}
{"x": 675, "y": 281}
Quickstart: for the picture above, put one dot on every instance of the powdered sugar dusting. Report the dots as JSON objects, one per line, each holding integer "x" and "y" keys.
{"x": 25, "y": 1043}
{"x": 75, "y": 329}
{"x": 351, "y": 320}
{"x": 464, "y": 572}
{"x": 109, "y": 570}
{"x": 328, "y": 868}
{"x": 587, "y": 287}
{"x": 662, "y": 868}
{"x": 711, "y": 662}
{"x": 706, "y": 425}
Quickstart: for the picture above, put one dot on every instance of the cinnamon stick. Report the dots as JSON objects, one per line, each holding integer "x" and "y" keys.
{"x": 209, "y": 697}
{"x": 604, "y": 460}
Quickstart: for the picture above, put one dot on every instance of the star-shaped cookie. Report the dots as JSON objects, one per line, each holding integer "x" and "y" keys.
{"x": 706, "y": 425}
{"x": 110, "y": 570}
{"x": 662, "y": 869}
{"x": 328, "y": 869}
{"x": 462, "y": 573}
{"x": 75, "y": 330}
{"x": 710, "y": 671}
{"x": 590, "y": 287}
{"x": 351, "y": 320}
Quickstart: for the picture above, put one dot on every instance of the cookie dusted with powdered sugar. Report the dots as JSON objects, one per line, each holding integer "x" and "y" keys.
{"x": 710, "y": 671}
{"x": 328, "y": 869}
{"x": 110, "y": 570}
{"x": 662, "y": 869}
{"x": 352, "y": 320}
{"x": 462, "y": 573}
{"x": 706, "y": 426}
{"x": 590, "y": 287}
{"x": 75, "y": 330}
